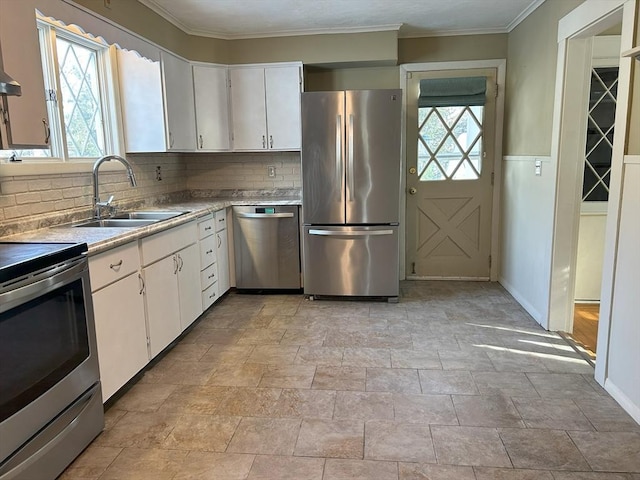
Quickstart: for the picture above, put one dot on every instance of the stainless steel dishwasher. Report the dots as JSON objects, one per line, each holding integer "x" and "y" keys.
{"x": 266, "y": 240}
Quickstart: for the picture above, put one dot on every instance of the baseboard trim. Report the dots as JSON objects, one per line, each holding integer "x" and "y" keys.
{"x": 624, "y": 401}
{"x": 522, "y": 301}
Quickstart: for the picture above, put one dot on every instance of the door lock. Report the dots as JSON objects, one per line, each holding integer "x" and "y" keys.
{"x": 412, "y": 170}
{"x": 413, "y": 191}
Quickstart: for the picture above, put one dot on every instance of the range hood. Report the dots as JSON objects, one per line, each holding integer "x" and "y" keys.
{"x": 8, "y": 86}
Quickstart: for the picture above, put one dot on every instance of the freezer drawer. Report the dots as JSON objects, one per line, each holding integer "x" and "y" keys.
{"x": 351, "y": 261}
{"x": 267, "y": 247}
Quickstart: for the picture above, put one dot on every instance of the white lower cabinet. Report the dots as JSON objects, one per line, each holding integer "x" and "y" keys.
{"x": 188, "y": 281}
{"x": 222, "y": 255}
{"x": 118, "y": 306}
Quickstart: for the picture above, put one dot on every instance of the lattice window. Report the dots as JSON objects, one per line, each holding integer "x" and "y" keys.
{"x": 450, "y": 143}
{"x": 599, "y": 148}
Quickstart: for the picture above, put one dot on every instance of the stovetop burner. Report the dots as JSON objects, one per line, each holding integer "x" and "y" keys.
{"x": 18, "y": 259}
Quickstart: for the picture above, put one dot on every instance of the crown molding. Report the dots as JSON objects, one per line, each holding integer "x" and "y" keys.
{"x": 525, "y": 13}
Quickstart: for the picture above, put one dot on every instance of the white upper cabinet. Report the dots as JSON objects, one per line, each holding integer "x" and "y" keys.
{"x": 140, "y": 82}
{"x": 179, "y": 103}
{"x": 265, "y": 103}
{"x": 210, "y": 84}
{"x": 27, "y": 114}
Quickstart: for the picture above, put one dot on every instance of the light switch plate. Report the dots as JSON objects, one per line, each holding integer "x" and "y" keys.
{"x": 538, "y": 166}
{"x": 271, "y": 171}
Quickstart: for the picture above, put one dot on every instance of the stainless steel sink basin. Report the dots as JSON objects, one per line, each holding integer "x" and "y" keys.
{"x": 117, "y": 222}
{"x": 149, "y": 215}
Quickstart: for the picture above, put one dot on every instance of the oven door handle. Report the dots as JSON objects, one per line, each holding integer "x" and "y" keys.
{"x": 42, "y": 282}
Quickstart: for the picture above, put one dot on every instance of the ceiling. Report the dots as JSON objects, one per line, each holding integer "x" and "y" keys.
{"x": 235, "y": 19}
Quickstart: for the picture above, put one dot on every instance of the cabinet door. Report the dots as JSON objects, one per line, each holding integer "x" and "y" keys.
{"x": 120, "y": 332}
{"x": 179, "y": 104}
{"x": 163, "y": 303}
{"x": 222, "y": 261}
{"x": 141, "y": 100}
{"x": 189, "y": 285}
{"x": 248, "y": 108}
{"x": 212, "y": 107}
{"x": 282, "y": 86}
{"x": 21, "y": 59}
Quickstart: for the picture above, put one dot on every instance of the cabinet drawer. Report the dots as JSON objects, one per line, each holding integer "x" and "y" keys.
{"x": 205, "y": 227}
{"x": 209, "y": 296}
{"x": 165, "y": 243}
{"x": 221, "y": 219}
{"x": 207, "y": 251}
{"x": 208, "y": 276}
{"x": 113, "y": 265}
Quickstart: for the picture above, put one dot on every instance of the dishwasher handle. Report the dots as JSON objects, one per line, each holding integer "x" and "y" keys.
{"x": 264, "y": 215}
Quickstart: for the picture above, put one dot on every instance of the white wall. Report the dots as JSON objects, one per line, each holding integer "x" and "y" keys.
{"x": 526, "y": 233}
{"x": 623, "y": 381}
{"x": 590, "y": 252}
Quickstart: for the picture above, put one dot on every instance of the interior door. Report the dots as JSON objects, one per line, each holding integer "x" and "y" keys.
{"x": 450, "y": 158}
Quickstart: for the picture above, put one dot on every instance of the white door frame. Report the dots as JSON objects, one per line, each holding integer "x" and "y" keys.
{"x": 406, "y": 71}
{"x": 567, "y": 147}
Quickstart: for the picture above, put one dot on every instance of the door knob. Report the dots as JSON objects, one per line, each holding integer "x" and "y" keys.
{"x": 413, "y": 191}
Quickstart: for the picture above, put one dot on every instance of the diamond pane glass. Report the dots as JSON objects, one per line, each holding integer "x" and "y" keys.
{"x": 80, "y": 95}
{"x": 599, "y": 145}
{"x": 453, "y": 136}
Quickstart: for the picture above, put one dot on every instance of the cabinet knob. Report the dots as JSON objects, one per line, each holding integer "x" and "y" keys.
{"x": 264, "y": 141}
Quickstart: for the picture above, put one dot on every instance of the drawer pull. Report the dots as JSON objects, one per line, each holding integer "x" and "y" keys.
{"x": 212, "y": 295}
{"x": 206, "y": 229}
{"x": 115, "y": 266}
{"x": 221, "y": 220}
{"x": 212, "y": 275}
{"x": 208, "y": 252}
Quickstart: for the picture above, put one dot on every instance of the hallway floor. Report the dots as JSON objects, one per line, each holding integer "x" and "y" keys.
{"x": 454, "y": 382}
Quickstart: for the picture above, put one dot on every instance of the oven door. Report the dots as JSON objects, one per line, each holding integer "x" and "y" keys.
{"x": 48, "y": 355}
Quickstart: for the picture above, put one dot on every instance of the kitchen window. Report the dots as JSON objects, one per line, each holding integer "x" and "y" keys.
{"x": 78, "y": 93}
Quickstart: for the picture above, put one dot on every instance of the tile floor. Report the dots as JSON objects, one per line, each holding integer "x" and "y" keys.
{"x": 454, "y": 382}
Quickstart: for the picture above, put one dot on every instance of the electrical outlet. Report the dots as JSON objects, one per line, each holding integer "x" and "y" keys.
{"x": 271, "y": 171}
{"x": 158, "y": 173}
{"x": 538, "y": 167}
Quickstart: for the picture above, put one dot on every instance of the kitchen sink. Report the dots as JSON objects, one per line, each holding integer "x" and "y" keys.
{"x": 148, "y": 215}
{"x": 117, "y": 222}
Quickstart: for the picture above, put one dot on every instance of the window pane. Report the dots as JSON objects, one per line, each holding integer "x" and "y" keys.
{"x": 80, "y": 100}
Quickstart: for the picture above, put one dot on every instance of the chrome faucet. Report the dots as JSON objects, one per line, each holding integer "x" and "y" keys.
{"x": 97, "y": 204}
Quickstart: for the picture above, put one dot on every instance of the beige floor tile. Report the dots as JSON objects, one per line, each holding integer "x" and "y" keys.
{"x": 606, "y": 415}
{"x": 360, "y": 470}
{"x": 182, "y": 373}
{"x": 517, "y": 361}
{"x": 320, "y": 356}
{"x": 486, "y": 411}
{"x": 472, "y": 446}
{"x": 554, "y": 414}
{"x": 542, "y": 449}
{"x": 249, "y": 402}
{"x": 196, "y": 399}
{"x": 304, "y": 404}
{"x": 415, "y": 359}
{"x": 340, "y": 378}
{"x": 112, "y": 416}
{"x": 366, "y": 357}
{"x": 304, "y": 336}
{"x": 92, "y": 462}
{"x": 267, "y": 436}
{"x": 364, "y": 406}
{"x": 187, "y": 352}
{"x": 429, "y": 342}
{"x": 465, "y": 360}
{"x": 261, "y": 336}
{"x": 426, "y": 409}
{"x": 425, "y": 471}
{"x": 145, "y": 464}
{"x": 244, "y": 375}
{"x": 504, "y": 383}
{"x": 219, "y": 336}
{"x": 561, "y": 385}
{"x": 610, "y": 451}
{"x": 142, "y": 430}
{"x": 510, "y": 474}
{"x": 209, "y": 465}
{"x": 288, "y": 376}
{"x": 447, "y": 382}
{"x": 210, "y": 433}
{"x": 395, "y": 441}
{"x": 144, "y": 397}
{"x": 234, "y": 354}
{"x": 328, "y": 438}
{"x": 399, "y": 380}
{"x": 592, "y": 476}
{"x": 274, "y": 354}
{"x": 367, "y": 339}
{"x": 286, "y": 468}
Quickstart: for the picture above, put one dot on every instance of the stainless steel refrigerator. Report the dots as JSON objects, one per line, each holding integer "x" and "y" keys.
{"x": 350, "y": 192}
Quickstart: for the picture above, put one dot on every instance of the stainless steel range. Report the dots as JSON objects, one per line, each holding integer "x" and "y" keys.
{"x": 50, "y": 399}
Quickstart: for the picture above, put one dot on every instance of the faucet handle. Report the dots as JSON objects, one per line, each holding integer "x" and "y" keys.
{"x": 107, "y": 203}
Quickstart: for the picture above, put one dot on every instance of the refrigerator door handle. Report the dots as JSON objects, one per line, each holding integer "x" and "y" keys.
{"x": 350, "y": 158}
{"x": 339, "y": 154}
{"x": 358, "y": 233}
{"x": 263, "y": 215}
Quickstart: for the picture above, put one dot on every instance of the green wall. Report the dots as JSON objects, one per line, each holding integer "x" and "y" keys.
{"x": 448, "y": 49}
